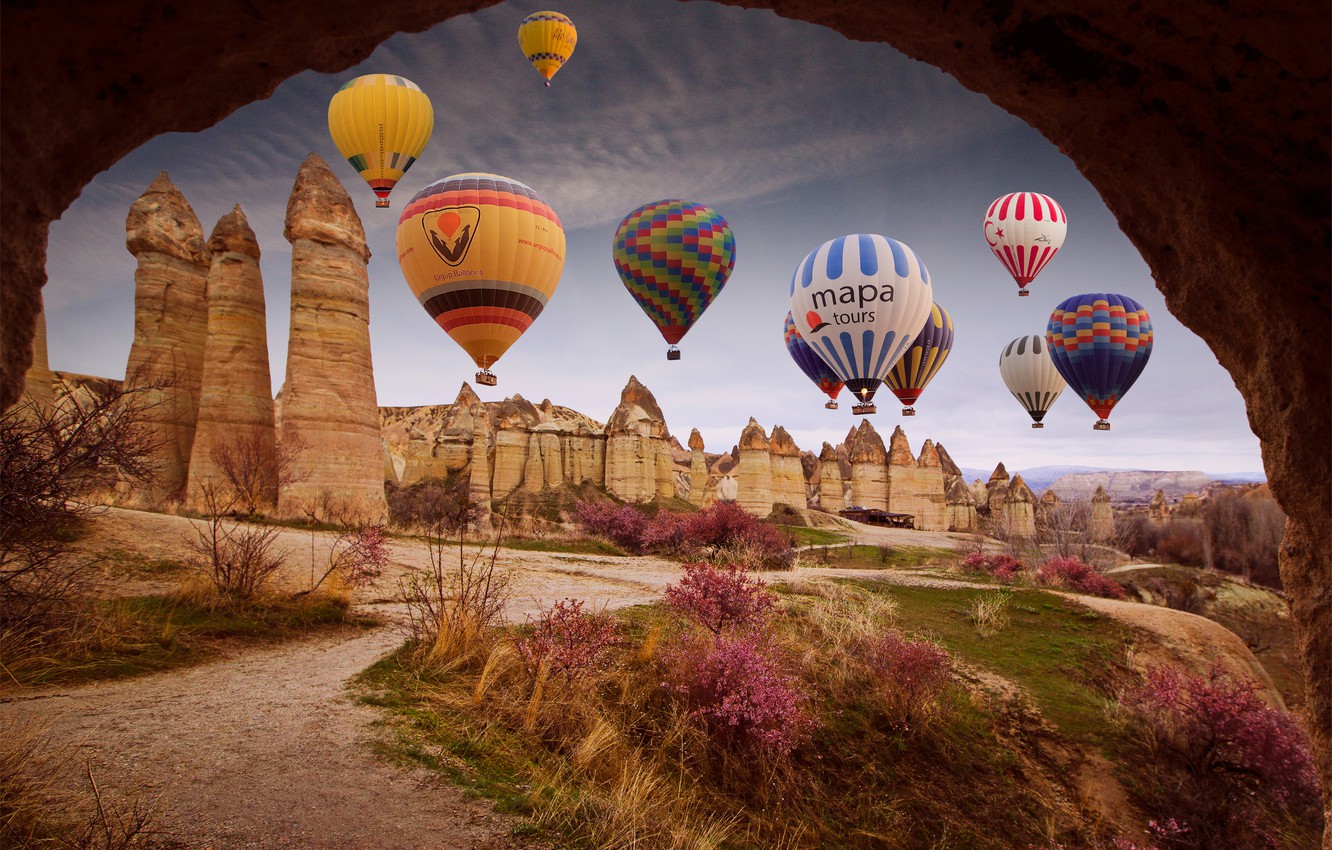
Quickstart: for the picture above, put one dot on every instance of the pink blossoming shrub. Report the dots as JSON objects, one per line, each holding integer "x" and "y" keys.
{"x": 1218, "y": 725}
{"x": 726, "y": 527}
{"x": 741, "y": 690}
{"x": 913, "y": 672}
{"x": 1075, "y": 575}
{"x": 623, "y": 525}
{"x": 1003, "y": 567}
{"x": 569, "y": 642}
{"x": 721, "y": 599}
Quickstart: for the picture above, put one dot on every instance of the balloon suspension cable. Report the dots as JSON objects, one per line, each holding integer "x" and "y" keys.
{"x": 382, "y": 203}
{"x": 863, "y": 408}
{"x": 1101, "y": 425}
{"x": 831, "y": 405}
{"x": 672, "y": 353}
{"x": 486, "y": 377}
{"x": 908, "y": 411}
{"x": 1037, "y": 425}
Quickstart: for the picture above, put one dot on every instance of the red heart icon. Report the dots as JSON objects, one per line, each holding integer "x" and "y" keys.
{"x": 448, "y": 223}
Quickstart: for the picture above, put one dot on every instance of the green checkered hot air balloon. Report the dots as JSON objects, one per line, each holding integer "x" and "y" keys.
{"x": 674, "y": 258}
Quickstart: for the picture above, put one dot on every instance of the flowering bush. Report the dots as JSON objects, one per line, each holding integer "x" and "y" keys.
{"x": 568, "y": 641}
{"x": 623, "y": 525}
{"x": 1075, "y": 575}
{"x": 914, "y": 672}
{"x": 1219, "y": 725}
{"x": 1003, "y": 567}
{"x": 721, "y": 599}
{"x": 738, "y": 687}
{"x": 667, "y": 532}
{"x": 726, "y": 527}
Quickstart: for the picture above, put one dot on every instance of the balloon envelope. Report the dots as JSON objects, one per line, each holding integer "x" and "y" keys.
{"x": 674, "y": 258}
{"x": 923, "y": 360}
{"x": 1100, "y": 343}
{"x": 381, "y": 124}
{"x": 859, "y": 301}
{"x": 1025, "y": 230}
{"x": 547, "y": 39}
{"x": 483, "y": 254}
{"x": 809, "y": 362}
{"x": 1029, "y": 373}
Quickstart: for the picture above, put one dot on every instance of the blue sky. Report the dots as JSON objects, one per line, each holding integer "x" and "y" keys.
{"x": 793, "y": 133}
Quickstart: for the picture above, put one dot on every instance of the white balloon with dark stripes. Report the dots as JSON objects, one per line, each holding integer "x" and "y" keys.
{"x": 1030, "y": 375}
{"x": 1025, "y": 230}
{"x": 859, "y": 301}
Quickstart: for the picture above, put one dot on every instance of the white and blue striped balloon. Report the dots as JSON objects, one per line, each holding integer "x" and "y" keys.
{"x": 859, "y": 301}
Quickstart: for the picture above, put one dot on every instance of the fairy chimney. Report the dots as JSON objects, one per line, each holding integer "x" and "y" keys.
{"x": 698, "y": 470}
{"x": 638, "y": 458}
{"x": 754, "y": 475}
{"x": 235, "y": 424}
{"x": 788, "y": 474}
{"x": 1102, "y": 516}
{"x": 832, "y": 492}
{"x": 170, "y": 326}
{"x": 869, "y": 472}
{"x": 328, "y": 400}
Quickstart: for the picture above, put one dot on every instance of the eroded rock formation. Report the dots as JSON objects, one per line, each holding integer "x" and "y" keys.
{"x": 698, "y": 472}
{"x": 788, "y": 473}
{"x": 638, "y": 458}
{"x": 37, "y": 382}
{"x": 1102, "y": 524}
{"x": 916, "y": 487}
{"x": 330, "y": 411}
{"x": 869, "y": 469}
{"x": 236, "y": 396}
{"x": 170, "y": 325}
{"x": 754, "y": 474}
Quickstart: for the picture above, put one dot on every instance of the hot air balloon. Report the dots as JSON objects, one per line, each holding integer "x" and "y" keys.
{"x": 923, "y": 360}
{"x": 1030, "y": 375}
{"x": 483, "y": 254}
{"x": 381, "y": 123}
{"x": 810, "y": 363}
{"x": 1100, "y": 343}
{"x": 859, "y": 301}
{"x": 547, "y": 40}
{"x": 674, "y": 258}
{"x": 1025, "y": 230}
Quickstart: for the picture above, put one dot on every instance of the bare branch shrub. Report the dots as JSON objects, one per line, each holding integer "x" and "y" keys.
{"x": 238, "y": 558}
{"x": 256, "y": 468}
{"x": 1066, "y": 526}
{"x": 358, "y": 555}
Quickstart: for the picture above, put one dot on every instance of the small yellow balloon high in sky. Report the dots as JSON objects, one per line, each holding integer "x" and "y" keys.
{"x": 381, "y": 123}
{"x": 547, "y": 40}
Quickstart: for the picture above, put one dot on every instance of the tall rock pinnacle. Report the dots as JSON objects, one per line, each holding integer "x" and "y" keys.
{"x": 236, "y": 400}
{"x": 170, "y": 324}
{"x": 328, "y": 400}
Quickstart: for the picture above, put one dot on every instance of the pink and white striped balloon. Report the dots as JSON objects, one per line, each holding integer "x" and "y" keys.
{"x": 1025, "y": 230}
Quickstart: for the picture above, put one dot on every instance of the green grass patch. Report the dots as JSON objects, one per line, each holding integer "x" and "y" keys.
{"x": 803, "y": 536}
{"x": 866, "y": 557}
{"x": 120, "y": 562}
{"x": 1066, "y": 657}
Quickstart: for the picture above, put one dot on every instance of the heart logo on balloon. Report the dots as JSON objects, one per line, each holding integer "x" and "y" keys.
{"x": 448, "y": 223}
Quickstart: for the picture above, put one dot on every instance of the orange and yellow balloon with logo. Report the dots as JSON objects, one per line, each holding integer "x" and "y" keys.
{"x": 483, "y": 254}
{"x": 547, "y": 40}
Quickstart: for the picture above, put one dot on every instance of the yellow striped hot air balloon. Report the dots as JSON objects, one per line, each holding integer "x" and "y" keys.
{"x": 483, "y": 254}
{"x": 547, "y": 40}
{"x": 381, "y": 124}
{"x": 923, "y": 360}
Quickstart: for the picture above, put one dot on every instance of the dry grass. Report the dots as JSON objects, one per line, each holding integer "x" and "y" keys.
{"x": 989, "y": 612}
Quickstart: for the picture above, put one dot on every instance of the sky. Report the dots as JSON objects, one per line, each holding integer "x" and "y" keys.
{"x": 793, "y": 133}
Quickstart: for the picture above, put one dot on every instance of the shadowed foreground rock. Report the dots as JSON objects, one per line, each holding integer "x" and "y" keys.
{"x": 1224, "y": 187}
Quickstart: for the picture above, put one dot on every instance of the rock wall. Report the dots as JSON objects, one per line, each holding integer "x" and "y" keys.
{"x": 170, "y": 326}
{"x": 869, "y": 469}
{"x": 236, "y": 396}
{"x": 754, "y": 474}
{"x": 788, "y": 473}
{"x": 833, "y": 493}
{"x": 331, "y": 411}
{"x": 38, "y": 380}
{"x": 916, "y": 487}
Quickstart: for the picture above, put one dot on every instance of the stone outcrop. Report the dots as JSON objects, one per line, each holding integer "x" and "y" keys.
{"x": 330, "y": 410}
{"x": 236, "y": 399}
{"x": 961, "y": 507}
{"x": 754, "y": 473}
{"x": 916, "y": 487}
{"x": 1019, "y": 509}
{"x": 1102, "y": 525}
{"x": 513, "y": 425}
{"x": 788, "y": 473}
{"x": 38, "y": 381}
{"x": 1107, "y": 78}
{"x": 833, "y": 494}
{"x": 869, "y": 469}
{"x": 1157, "y": 509}
{"x": 638, "y": 459}
{"x": 170, "y": 325}
{"x": 698, "y": 471}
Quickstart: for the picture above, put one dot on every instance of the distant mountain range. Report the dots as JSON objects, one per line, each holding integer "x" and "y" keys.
{"x": 1123, "y": 485}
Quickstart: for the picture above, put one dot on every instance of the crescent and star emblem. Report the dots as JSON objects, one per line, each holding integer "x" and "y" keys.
{"x": 998, "y": 233}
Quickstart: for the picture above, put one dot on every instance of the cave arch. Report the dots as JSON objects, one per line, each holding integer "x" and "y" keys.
{"x": 1204, "y": 126}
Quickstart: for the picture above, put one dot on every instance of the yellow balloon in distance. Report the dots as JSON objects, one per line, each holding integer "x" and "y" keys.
{"x": 483, "y": 255}
{"x": 547, "y": 40}
{"x": 381, "y": 124}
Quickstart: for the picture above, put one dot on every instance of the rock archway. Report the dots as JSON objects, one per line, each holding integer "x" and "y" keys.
{"x": 1204, "y": 126}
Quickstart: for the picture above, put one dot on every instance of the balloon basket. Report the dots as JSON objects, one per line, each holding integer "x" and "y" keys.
{"x": 1037, "y": 425}
{"x": 908, "y": 411}
{"x": 672, "y": 353}
{"x": 381, "y": 203}
{"x": 1022, "y": 293}
{"x": 487, "y": 378}
{"x": 1101, "y": 425}
{"x": 831, "y": 405}
{"x": 862, "y": 409}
